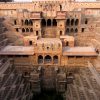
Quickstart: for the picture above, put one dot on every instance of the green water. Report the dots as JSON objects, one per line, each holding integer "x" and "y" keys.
{"x": 48, "y": 96}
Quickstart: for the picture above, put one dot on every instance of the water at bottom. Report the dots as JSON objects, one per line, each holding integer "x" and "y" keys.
{"x": 48, "y": 95}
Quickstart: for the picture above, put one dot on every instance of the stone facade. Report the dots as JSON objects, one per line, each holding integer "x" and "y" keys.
{"x": 60, "y": 39}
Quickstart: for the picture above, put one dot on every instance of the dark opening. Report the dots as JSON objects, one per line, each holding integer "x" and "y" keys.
{"x": 30, "y": 22}
{"x": 68, "y": 22}
{"x": 27, "y": 30}
{"x": 25, "y": 56}
{"x": 76, "y": 22}
{"x": 17, "y": 30}
{"x": 31, "y": 30}
{"x": 49, "y": 22}
{"x": 72, "y": 22}
{"x": 78, "y": 56}
{"x": 71, "y": 30}
{"x": 60, "y": 7}
{"x": 76, "y": 30}
{"x": 67, "y": 44}
{"x": 10, "y": 56}
{"x": 23, "y": 30}
{"x": 55, "y": 59}
{"x": 30, "y": 42}
{"x": 54, "y": 22}
{"x": 48, "y": 95}
{"x": 22, "y": 22}
{"x": 82, "y": 29}
{"x": 47, "y": 48}
{"x": 48, "y": 59}
{"x": 97, "y": 50}
{"x": 70, "y": 57}
{"x": 67, "y": 30}
{"x": 37, "y": 33}
{"x": 15, "y": 22}
{"x": 86, "y": 22}
{"x": 40, "y": 59}
{"x": 26, "y": 73}
{"x": 43, "y": 22}
{"x": 26, "y": 22}
{"x": 60, "y": 32}
{"x": 17, "y": 55}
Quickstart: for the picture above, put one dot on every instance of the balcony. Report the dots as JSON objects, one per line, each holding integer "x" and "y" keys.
{"x": 56, "y": 61}
{"x": 40, "y": 61}
{"x": 46, "y": 61}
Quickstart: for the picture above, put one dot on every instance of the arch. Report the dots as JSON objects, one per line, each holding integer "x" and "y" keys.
{"x": 54, "y": 22}
{"x": 37, "y": 33}
{"x": 31, "y": 30}
{"x": 76, "y": 30}
{"x": 40, "y": 59}
{"x": 82, "y": 30}
{"x": 72, "y": 22}
{"x": 76, "y": 22}
{"x": 67, "y": 30}
{"x": 55, "y": 59}
{"x": 17, "y": 30}
{"x": 30, "y": 43}
{"x": 15, "y": 22}
{"x": 49, "y": 22}
{"x": 22, "y": 22}
{"x": 30, "y": 22}
{"x": 23, "y": 30}
{"x": 68, "y": 22}
{"x": 67, "y": 43}
{"x": 43, "y": 22}
{"x": 71, "y": 30}
{"x": 47, "y": 59}
{"x": 26, "y": 22}
{"x": 27, "y": 30}
{"x": 61, "y": 32}
{"x": 86, "y": 21}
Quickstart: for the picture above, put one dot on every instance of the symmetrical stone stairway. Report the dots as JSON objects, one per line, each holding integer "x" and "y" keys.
{"x": 12, "y": 85}
{"x": 86, "y": 85}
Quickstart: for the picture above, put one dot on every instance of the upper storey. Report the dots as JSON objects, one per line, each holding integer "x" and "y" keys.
{"x": 58, "y": 5}
{"x": 52, "y": 0}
